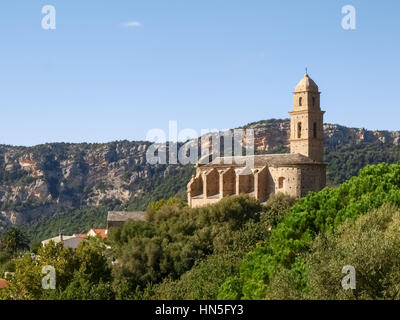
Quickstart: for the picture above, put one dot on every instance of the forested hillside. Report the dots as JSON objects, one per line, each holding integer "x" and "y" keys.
{"x": 44, "y": 186}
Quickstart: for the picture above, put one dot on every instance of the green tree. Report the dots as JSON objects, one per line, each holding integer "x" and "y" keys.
{"x": 92, "y": 276}
{"x": 81, "y": 274}
{"x": 176, "y": 238}
{"x": 316, "y": 213}
{"x": 15, "y": 240}
{"x": 371, "y": 245}
{"x": 26, "y": 282}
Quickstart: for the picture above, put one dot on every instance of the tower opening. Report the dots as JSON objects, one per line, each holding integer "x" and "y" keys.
{"x": 299, "y": 130}
{"x": 300, "y": 101}
{"x": 313, "y": 101}
{"x": 315, "y": 129}
{"x": 280, "y": 182}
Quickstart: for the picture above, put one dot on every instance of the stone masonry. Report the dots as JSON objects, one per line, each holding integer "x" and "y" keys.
{"x": 295, "y": 174}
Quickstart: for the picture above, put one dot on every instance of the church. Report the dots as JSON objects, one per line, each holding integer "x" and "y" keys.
{"x": 295, "y": 173}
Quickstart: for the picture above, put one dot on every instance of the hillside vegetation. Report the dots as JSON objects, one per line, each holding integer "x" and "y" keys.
{"x": 317, "y": 213}
{"x": 344, "y": 162}
{"x": 170, "y": 255}
{"x": 83, "y": 219}
{"x": 235, "y": 249}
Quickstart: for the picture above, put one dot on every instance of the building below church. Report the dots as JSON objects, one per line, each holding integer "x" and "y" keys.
{"x": 295, "y": 173}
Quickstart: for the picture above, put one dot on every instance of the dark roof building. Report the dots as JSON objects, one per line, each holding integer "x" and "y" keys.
{"x": 118, "y": 218}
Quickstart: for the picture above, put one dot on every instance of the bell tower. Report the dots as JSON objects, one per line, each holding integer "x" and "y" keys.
{"x": 306, "y": 121}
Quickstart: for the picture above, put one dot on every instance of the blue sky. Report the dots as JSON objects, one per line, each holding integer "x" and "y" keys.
{"x": 207, "y": 64}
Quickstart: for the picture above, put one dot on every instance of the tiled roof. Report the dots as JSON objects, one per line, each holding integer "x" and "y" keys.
{"x": 3, "y": 283}
{"x": 101, "y": 232}
{"x": 262, "y": 160}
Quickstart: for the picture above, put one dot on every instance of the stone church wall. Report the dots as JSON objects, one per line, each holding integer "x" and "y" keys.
{"x": 313, "y": 178}
{"x": 286, "y": 180}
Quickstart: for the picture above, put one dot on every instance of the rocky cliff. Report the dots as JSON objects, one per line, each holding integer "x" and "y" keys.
{"x": 38, "y": 181}
{"x": 272, "y": 135}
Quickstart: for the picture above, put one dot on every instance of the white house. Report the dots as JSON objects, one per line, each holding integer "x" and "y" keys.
{"x": 67, "y": 241}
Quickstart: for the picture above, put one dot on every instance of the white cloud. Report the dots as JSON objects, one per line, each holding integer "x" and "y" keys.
{"x": 132, "y": 24}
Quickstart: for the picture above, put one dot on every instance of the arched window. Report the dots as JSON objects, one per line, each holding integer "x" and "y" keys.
{"x": 315, "y": 129}
{"x": 299, "y": 130}
{"x": 313, "y": 101}
{"x": 280, "y": 182}
{"x": 300, "y": 101}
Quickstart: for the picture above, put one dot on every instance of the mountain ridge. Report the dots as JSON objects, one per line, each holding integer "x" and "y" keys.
{"x": 36, "y": 182}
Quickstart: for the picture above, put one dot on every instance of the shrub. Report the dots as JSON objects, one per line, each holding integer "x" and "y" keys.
{"x": 176, "y": 238}
{"x": 317, "y": 212}
{"x": 371, "y": 245}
